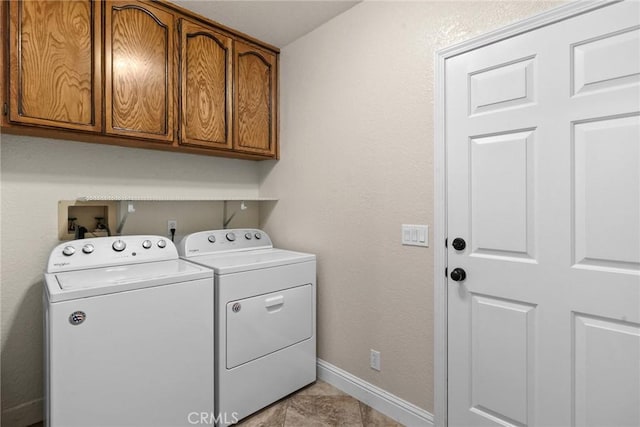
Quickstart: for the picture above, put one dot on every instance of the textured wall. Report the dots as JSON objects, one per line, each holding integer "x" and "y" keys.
{"x": 357, "y": 162}
{"x": 36, "y": 173}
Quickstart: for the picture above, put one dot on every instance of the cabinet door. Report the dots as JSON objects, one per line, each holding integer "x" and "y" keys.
{"x": 255, "y": 108}
{"x": 139, "y": 70}
{"x": 55, "y": 70}
{"x": 205, "y": 87}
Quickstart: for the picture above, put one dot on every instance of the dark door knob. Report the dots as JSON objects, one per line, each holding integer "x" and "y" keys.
{"x": 458, "y": 275}
{"x": 459, "y": 244}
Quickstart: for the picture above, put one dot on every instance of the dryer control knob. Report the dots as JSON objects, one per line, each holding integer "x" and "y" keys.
{"x": 248, "y": 236}
{"x": 119, "y": 246}
{"x": 212, "y": 238}
{"x": 68, "y": 250}
{"x": 88, "y": 248}
{"x": 162, "y": 243}
{"x": 258, "y": 236}
{"x": 147, "y": 244}
{"x": 231, "y": 237}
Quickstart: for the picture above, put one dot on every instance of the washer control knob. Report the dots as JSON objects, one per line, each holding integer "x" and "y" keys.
{"x": 68, "y": 250}
{"x": 212, "y": 238}
{"x": 119, "y": 246}
{"x": 248, "y": 236}
{"x": 258, "y": 236}
{"x": 88, "y": 248}
{"x": 231, "y": 236}
{"x": 162, "y": 243}
{"x": 147, "y": 244}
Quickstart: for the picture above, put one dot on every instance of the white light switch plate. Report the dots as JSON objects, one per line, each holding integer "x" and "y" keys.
{"x": 415, "y": 235}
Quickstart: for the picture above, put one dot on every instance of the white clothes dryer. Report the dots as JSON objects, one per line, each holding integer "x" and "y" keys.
{"x": 128, "y": 335}
{"x": 265, "y": 318}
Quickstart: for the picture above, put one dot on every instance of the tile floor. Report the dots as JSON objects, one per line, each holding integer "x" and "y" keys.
{"x": 317, "y": 405}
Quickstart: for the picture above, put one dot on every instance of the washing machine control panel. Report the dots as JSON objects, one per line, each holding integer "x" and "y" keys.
{"x": 106, "y": 251}
{"x": 213, "y": 241}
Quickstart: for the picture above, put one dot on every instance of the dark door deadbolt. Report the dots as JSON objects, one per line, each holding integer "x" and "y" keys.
{"x": 459, "y": 244}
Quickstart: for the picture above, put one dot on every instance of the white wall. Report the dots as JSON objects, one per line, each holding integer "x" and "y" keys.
{"x": 356, "y": 163}
{"x": 36, "y": 173}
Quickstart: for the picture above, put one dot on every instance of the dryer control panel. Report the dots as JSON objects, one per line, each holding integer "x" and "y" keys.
{"x": 107, "y": 251}
{"x": 214, "y": 241}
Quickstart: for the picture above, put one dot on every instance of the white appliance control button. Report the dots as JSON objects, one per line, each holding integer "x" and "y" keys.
{"x": 146, "y": 244}
{"x": 88, "y": 248}
{"x": 212, "y": 238}
{"x": 231, "y": 237}
{"x": 68, "y": 250}
{"x": 119, "y": 246}
{"x": 258, "y": 236}
{"x": 248, "y": 236}
{"x": 162, "y": 243}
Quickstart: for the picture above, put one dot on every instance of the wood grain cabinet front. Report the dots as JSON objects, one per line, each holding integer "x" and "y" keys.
{"x": 205, "y": 86}
{"x": 137, "y": 73}
{"x": 139, "y": 70}
{"x": 55, "y": 64}
{"x": 255, "y": 109}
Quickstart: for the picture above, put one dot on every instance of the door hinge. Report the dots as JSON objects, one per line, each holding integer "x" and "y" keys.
{"x": 446, "y": 243}
{"x": 5, "y": 109}
{"x": 446, "y": 272}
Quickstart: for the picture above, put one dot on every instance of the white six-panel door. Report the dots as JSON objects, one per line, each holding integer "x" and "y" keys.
{"x": 543, "y": 184}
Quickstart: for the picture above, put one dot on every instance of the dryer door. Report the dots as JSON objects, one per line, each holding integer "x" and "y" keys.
{"x": 263, "y": 324}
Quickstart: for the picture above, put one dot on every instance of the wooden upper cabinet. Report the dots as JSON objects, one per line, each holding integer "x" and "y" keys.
{"x": 255, "y": 106}
{"x": 205, "y": 86}
{"x": 55, "y": 70}
{"x": 139, "y": 70}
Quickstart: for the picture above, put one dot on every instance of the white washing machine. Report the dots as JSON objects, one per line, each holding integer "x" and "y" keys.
{"x": 128, "y": 335}
{"x": 265, "y": 318}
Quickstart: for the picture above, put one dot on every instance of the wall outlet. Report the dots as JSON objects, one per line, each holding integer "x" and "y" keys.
{"x": 172, "y": 223}
{"x": 374, "y": 360}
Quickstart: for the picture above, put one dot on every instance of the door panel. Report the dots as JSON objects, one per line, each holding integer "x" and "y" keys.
{"x": 607, "y": 174}
{"x": 502, "y": 86}
{"x": 139, "y": 45}
{"x": 260, "y": 325}
{"x": 606, "y": 62}
{"x": 602, "y": 391}
{"x": 501, "y": 366}
{"x": 502, "y": 209}
{"x": 55, "y": 73}
{"x": 205, "y": 87}
{"x": 543, "y": 161}
{"x": 255, "y": 100}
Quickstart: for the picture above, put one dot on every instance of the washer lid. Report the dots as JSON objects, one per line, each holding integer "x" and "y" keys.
{"x": 234, "y": 262}
{"x": 100, "y": 281}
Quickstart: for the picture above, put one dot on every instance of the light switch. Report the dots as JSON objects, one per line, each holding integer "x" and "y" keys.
{"x": 415, "y": 235}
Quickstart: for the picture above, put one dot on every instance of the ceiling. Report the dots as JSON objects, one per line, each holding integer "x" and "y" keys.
{"x": 275, "y": 22}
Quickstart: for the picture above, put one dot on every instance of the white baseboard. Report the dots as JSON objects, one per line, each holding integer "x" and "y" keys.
{"x": 390, "y": 405}
{"x": 24, "y": 415}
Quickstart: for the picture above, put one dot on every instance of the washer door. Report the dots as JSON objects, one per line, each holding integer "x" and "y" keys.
{"x": 263, "y": 324}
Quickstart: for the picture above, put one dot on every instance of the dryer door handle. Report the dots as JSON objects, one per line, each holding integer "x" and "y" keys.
{"x": 274, "y": 303}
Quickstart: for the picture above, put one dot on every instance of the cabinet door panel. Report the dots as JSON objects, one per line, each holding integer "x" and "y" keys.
{"x": 139, "y": 50}
{"x": 55, "y": 71}
{"x": 205, "y": 87}
{"x": 255, "y": 100}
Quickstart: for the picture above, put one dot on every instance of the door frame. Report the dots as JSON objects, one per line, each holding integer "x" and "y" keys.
{"x": 440, "y": 183}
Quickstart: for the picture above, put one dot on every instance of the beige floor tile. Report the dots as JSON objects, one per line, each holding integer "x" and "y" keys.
{"x": 271, "y": 416}
{"x": 373, "y": 418}
{"x": 320, "y": 388}
{"x": 323, "y": 411}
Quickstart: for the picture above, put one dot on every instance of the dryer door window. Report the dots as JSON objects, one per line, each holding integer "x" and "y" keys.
{"x": 261, "y": 325}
